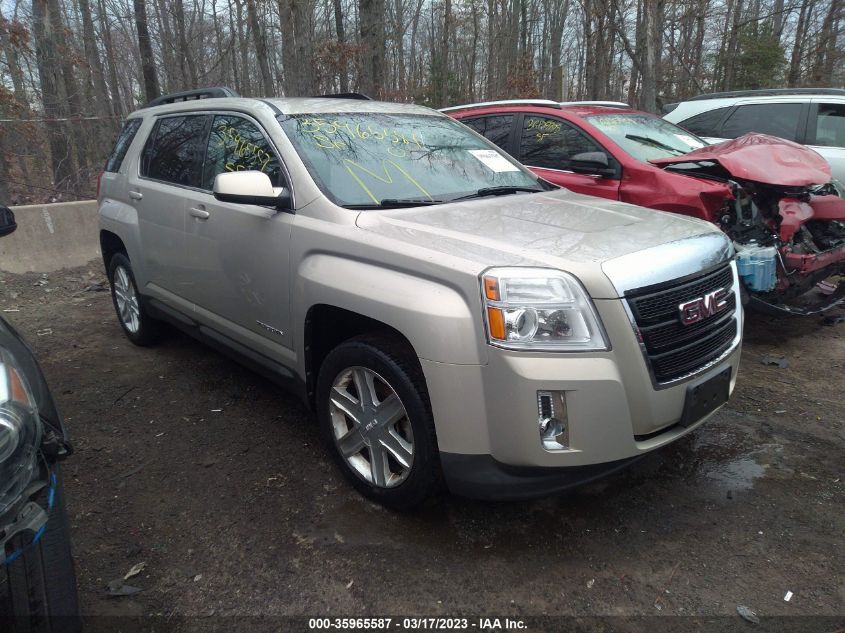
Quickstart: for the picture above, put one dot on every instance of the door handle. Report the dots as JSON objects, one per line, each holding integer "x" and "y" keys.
{"x": 136, "y": 195}
{"x": 200, "y": 214}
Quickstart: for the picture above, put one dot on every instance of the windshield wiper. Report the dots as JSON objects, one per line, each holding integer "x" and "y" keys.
{"x": 498, "y": 191}
{"x": 647, "y": 140}
{"x": 396, "y": 203}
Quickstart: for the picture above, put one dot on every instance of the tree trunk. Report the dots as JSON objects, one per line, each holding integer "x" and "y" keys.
{"x": 443, "y": 56}
{"x": 777, "y": 19}
{"x": 302, "y": 15}
{"x": 186, "y": 59}
{"x": 92, "y": 56}
{"x": 260, "y": 49}
{"x": 370, "y": 19}
{"x": 71, "y": 87}
{"x": 289, "y": 60}
{"x": 108, "y": 46}
{"x": 341, "y": 39}
{"x": 148, "y": 69}
{"x": 48, "y": 74}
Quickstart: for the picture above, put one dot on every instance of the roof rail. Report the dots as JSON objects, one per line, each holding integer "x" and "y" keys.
{"x": 344, "y": 95}
{"x": 603, "y": 104}
{"x": 191, "y": 95}
{"x": 773, "y": 92}
{"x": 483, "y": 104}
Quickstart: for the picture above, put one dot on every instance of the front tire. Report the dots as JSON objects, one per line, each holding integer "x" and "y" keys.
{"x": 375, "y": 416}
{"x": 139, "y": 327}
{"x": 41, "y": 584}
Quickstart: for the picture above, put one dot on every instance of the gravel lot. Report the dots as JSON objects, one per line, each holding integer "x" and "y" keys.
{"x": 217, "y": 481}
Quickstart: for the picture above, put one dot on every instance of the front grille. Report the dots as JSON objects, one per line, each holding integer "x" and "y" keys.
{"x": 673, "y": 349}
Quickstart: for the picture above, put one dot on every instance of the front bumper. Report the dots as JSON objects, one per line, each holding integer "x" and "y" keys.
{"x": 482, "y": 477}
{"x": 486, "y": 416}
{"x": 28, "y": 516}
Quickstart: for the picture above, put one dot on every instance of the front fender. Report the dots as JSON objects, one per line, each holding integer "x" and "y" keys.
{"x": 439, "y": 320}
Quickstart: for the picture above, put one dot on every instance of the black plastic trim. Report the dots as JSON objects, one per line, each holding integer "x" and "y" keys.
{"x": 483, "y": 477}
{"x": 193, "y": 95}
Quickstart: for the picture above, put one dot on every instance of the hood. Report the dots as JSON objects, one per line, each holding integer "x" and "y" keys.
{"x": 558, "y": 229}
{"x": 761, "y": 158}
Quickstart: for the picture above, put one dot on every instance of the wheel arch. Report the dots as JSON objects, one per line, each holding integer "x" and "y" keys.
{"x": 327, "y": 326}
{"x": 336, "y": 298}
{"x": 110, "y": 244}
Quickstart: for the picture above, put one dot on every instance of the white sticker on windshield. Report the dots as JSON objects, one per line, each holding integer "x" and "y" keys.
{"x": 690, "y": 140}
{"x": 494, "y": 160}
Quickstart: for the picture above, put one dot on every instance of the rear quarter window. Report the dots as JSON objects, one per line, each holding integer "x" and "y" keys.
{"x": 706, "y": 123}
{"x": 124, "y": 140}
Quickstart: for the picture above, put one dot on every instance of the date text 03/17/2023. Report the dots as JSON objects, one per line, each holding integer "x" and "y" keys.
{"x": 418, "y": 624}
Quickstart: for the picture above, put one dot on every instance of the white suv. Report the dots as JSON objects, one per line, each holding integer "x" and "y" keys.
{"x": 811, "y": 116}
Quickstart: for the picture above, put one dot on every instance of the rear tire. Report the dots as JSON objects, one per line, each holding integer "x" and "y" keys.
{"x": 41, "y": 584}
{"x": 387, "y": 447}
{"x": 139, "y": 327}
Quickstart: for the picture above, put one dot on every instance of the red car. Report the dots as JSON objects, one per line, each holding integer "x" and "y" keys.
{"x": 774, "y": 198}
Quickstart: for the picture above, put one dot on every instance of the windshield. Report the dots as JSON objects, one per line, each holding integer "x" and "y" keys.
{"x": 368, "y": 159}
{"x": 646, "y": 137}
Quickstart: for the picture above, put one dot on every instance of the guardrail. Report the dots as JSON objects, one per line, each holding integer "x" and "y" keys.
{"x": 51, "y": 237}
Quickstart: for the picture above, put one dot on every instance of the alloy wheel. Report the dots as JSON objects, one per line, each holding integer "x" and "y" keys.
{"x": 371, "y": 428}
{"x": 127, "y": 300}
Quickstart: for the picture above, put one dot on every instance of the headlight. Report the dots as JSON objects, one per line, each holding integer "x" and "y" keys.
{"x": 539, "y": 309}
{"x": 20, "y": 432}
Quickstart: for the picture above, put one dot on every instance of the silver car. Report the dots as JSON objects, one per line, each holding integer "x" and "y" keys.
{"x": 450, "y": 317}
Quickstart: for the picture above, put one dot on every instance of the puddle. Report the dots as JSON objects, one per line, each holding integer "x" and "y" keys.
{"x": 737, "y": 474}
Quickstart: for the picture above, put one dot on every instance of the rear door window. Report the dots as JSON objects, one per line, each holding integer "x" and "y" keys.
{"x": 551, "y": 143}
{"x": 236, "y": 144}
{"x": 706, "y": 123}
{"x": 494, "y": 128}
{"x": 776, "y": 119}
{"x": 124, "y": 140}
{"x": 830, "y": 125}
{"x": 174, "y": 152}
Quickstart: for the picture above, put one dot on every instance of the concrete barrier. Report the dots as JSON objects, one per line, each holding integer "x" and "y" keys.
{"x": 51, "y": 237}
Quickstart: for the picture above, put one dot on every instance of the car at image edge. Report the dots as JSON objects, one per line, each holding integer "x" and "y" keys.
{"x": 37, "y": 582}
{"x": 450, "y": 317}
{"x": 811, "y": 116}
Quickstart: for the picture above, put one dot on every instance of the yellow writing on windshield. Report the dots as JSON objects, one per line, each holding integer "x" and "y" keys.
{"x": 386, "y": 178}
{"x": 342, "y": 135}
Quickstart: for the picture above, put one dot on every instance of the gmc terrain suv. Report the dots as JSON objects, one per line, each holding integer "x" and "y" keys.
{"x": 451, "y": 317}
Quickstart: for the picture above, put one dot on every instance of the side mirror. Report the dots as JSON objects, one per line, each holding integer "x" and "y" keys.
{"x": 592, "y": 163}
{"x": 7, "y": 221}
{"x": 250, "y": 187}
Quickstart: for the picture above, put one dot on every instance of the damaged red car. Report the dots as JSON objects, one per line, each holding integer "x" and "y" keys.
{"x": 774, "y": 198}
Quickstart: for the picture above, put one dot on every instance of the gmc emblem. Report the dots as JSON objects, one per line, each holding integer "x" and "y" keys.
{"x": 703, "y": 307}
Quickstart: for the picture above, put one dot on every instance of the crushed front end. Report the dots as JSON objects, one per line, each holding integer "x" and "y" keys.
{"x": 785, "y": 216}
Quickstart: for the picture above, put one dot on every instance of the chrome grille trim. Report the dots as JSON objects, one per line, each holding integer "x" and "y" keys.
{"x": 735, "y": 318}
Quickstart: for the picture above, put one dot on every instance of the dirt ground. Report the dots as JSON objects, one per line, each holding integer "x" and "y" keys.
{"x": 217, "y": 482}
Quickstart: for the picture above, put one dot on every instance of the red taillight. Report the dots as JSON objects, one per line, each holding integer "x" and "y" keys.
{"x": 99, "y": 181}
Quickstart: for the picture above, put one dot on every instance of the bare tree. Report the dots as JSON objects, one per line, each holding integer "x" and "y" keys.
{"x": 148, "y": 69}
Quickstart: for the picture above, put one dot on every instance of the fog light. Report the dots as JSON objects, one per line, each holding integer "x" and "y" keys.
{"x": 552, "y": 420}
